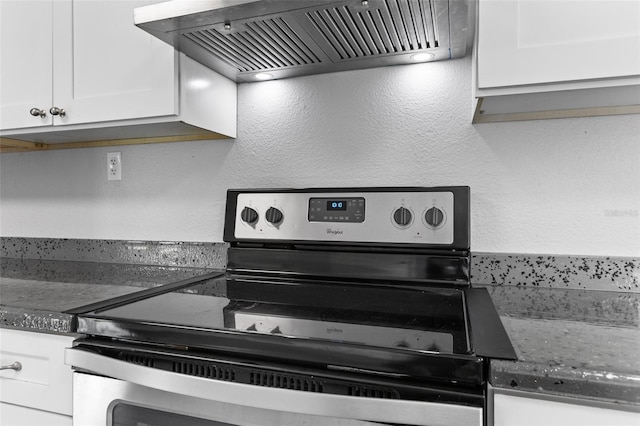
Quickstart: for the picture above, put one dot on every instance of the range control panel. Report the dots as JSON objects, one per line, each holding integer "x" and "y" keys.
{"x": 416, "y": 216}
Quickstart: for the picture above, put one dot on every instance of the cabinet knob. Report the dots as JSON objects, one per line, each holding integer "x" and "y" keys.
{"x": 38, "y": 112}
{"x": 58, "y": 111}
{"x": 15, "y": 366}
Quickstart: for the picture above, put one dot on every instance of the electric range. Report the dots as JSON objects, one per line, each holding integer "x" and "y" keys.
{"x": 354, "y": 297}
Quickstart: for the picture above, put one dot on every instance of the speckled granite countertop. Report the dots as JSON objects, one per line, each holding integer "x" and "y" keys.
{"x": 570, "y": 342}
{"x": 573, "y": 320}
{"x": 35, "y": 294}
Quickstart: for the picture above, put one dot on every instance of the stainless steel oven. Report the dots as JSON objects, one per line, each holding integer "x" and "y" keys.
{"x": 168, "y": 399}
{"x": 341, "y": 306}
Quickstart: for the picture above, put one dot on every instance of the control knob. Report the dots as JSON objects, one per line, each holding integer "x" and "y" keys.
{"x": 434, "y": 217}
{"x": 402, "y": 216}
{"x": 249, "y": 215}
{"x": 274, "y": 215}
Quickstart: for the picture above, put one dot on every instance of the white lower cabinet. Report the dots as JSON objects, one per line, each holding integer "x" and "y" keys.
{"x": 17, "y": 415}
{"x": 511, "y": 408}
{"x": 40, "y": 391}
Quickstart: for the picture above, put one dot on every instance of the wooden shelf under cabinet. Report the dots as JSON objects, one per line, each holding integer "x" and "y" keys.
{"x": 114, "y": 136}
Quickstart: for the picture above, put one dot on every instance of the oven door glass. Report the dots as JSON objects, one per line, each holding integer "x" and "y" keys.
{"x": 130, "y": 415}
{"x": 124, "y": 414}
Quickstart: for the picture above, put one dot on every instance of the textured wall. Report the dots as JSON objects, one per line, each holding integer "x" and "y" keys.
{"x": 568, "y": 186}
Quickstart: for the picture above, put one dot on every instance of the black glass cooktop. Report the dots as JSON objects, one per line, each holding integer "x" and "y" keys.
{"x": 429, "y": 320}
{"x": 422, "y": 333}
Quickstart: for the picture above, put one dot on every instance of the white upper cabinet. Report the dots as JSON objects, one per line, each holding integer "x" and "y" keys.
{"x": 554, "y": 58}
{"x": 80, "y": 70}
{"x": 26, "y": 59}
{"x": 105, "y": 68}
{"x": 530, "y": 42}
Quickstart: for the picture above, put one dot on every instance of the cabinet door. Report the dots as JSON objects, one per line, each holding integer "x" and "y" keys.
{"x": 529, "y": 42}
{"x": 43, "y": 381}
{"x": 25, "y": 62}
{"x": 105, "y": 68}
{"x": 518, "y": 411}
{"x": 15, "y": 415}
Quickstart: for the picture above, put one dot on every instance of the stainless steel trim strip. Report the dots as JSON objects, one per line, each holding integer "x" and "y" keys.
{"x": 371, "y": 409}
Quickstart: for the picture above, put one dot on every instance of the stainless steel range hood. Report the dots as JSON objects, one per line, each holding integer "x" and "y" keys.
{"x": 285, "y": 38}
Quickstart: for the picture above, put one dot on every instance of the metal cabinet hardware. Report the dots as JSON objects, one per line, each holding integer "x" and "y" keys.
{"x": 15, "y": 366}
{"x": 38, "y": 112}
{"x": 57, "y": 111}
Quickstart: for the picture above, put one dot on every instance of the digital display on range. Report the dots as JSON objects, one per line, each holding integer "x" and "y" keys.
{"x": 326, "y": 209}
{"x": 336, "y": 205}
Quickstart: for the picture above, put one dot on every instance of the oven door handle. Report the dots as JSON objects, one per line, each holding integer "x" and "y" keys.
{"x": 292, "y": 401}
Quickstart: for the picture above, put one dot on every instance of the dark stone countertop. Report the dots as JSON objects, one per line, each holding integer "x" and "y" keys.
{"x": 571, "y": 342}
{"x": 35, "y": 294}
{"x": 579, "y": 343}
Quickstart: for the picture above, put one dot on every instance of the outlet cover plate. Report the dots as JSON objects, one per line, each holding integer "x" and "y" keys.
{"x": 114, "y": 166}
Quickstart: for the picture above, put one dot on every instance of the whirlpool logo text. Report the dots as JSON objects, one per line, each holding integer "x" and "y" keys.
{"x": 334, "y": 231}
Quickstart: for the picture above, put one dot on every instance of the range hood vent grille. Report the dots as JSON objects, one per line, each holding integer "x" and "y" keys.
{"x": 300, "y": 37}
{"x": 396, "y": 26}
{"x": 264, "y": 45}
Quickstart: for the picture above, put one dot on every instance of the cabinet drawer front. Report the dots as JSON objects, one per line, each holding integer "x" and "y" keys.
{"x": 43, "y": 381}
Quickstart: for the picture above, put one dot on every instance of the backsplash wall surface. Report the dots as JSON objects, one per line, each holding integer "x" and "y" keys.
{"x": 492, "y": 270}
{"x": 569, "y": 186}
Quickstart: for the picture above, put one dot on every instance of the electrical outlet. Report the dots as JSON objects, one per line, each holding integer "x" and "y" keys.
{"x": 114, "y": 166}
